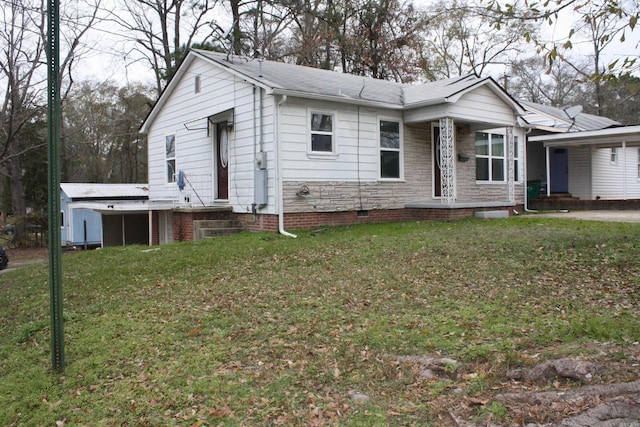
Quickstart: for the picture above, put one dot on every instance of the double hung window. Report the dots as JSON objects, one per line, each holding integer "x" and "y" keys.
{"x": 170, "y": 155}
{"x": 322, "y": 133}
{"x": 390, "y": 150}
{"x": 490, "y": 157}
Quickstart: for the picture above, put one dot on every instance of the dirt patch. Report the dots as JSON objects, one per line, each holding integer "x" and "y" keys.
{"x": 601, "y": 386}
{"x": 19, "y": 257}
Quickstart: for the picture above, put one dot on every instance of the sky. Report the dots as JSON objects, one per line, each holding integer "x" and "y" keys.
{"x": 111, "y": 59}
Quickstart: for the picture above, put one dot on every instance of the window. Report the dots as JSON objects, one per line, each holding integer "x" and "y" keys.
{"x": 196, "y": 84}
{"x": 614, "y": 156}
{"x": 322, "y": 140}
{"x": 170, "y": 155}
{"x": 389, "y": 149}
{"x": 516, "y": 160}
{"x": 490, "y": 157}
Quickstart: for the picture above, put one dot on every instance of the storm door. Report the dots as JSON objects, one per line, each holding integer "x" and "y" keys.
{"x": 221, "y": 161}
{"x": 437, "y": 173}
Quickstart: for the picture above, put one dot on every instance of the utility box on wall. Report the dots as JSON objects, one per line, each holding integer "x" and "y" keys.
{"x": 261, "y": 187}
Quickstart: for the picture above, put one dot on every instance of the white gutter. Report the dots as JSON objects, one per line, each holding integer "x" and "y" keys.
{"x": 278, "y": 168}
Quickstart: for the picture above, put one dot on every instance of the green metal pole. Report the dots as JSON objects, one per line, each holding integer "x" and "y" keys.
{"x": 55, "y": 239}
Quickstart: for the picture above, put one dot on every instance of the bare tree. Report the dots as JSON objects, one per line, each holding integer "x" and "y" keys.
{"x": 21, "y": 34}
{"x": 597, "y": 16}
{"x": 102, "y": 121}
{"x": 462, "y": 40}
{"x": 162, "y": 30}
{"x": 23, "y": 75}
{"x": 560, "y": 85}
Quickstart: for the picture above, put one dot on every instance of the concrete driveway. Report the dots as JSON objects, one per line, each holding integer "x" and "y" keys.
{"x": 608, "y": 215}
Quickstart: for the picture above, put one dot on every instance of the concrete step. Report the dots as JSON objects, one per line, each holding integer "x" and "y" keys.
{"x": 206, "y": 233}
{"x": 216, "y": 223}
{"x": 203, "y": 229}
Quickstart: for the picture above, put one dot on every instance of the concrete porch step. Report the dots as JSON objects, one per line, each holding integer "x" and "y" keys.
{"x": 203, "y": 229}
{"x": 206, "y": 233}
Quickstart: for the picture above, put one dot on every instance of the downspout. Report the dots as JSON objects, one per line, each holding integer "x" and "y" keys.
{"x": 280, "y": 195}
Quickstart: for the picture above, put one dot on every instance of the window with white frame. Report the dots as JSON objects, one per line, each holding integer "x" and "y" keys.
{"x": 390, "y": 149}
{"x": 170, "y": 156}
{"x": 322, "y": 133}
{"x": 490, "y": 157}
{"x": 614, "y": 156}
{"x": 516, "y": 159}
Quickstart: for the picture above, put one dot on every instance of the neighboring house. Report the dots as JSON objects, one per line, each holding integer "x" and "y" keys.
{"x": 277, "y": 146}
{"x": 104, "y": 214}
{"x": 590, "y": 158}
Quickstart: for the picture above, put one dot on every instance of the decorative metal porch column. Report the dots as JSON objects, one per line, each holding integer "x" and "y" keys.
{"x": 447, "y": 161}
{"x": 510, "y": 168}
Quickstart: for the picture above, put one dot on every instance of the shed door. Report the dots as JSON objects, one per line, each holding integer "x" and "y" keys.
{"x": 222, "y": 161}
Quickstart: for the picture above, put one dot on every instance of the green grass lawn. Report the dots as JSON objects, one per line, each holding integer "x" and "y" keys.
{"x": 260, "y": 329}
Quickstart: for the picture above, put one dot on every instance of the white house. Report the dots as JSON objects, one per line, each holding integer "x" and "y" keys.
{"x": 277, "y": 146}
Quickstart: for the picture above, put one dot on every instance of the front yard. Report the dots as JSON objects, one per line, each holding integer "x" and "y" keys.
{"x": 392, "y": 324}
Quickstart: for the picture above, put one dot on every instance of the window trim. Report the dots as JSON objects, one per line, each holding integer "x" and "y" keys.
{"x": 399, "y": 150}
{"x": 516, "y": 159}
{"x": 490, "y": 157}
{"x": 334, "y": 140}
{"x": 614, "y": 156}
{"x": 167, "y": 180}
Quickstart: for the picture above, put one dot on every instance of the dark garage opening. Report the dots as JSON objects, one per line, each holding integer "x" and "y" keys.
{"x": 129, "y": 229}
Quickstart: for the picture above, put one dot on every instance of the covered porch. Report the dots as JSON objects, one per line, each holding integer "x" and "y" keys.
{"x": 595, "y": 165}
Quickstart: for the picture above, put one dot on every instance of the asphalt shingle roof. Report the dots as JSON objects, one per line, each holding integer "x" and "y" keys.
{"x": 313, "y": 81}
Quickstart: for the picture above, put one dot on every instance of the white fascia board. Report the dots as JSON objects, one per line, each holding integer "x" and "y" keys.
{"x": 627, "y": 134}
{"x": 335, "y": 98}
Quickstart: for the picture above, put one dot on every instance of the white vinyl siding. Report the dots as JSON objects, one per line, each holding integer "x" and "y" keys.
{"x": 580, "y": 172}
{"x": 356, "y": 143}
{"x": 476, "y": 106}
{"x": 187, "y": 120}
{"x": 608, "y": 178}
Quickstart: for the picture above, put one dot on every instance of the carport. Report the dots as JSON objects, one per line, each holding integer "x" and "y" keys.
{"x": 125, "y": 224}
{"x": 594, "y": 173}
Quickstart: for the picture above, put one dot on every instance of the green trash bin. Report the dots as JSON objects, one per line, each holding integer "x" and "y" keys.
{"x": 533, "y": 189}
